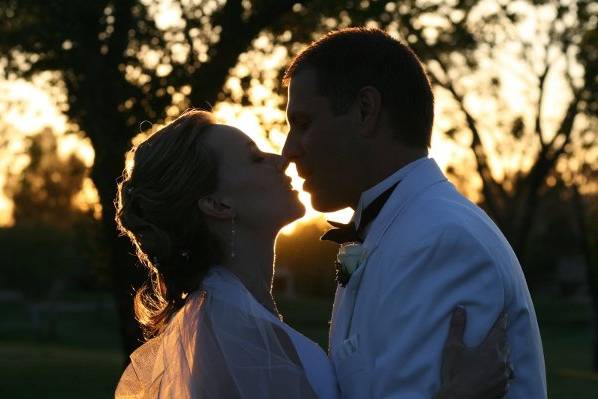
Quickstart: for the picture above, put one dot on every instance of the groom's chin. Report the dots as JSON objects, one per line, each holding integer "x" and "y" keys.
{"x": 320, "y": 204}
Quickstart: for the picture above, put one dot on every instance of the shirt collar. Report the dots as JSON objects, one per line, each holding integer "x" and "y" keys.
{"x": 374, "y": 192}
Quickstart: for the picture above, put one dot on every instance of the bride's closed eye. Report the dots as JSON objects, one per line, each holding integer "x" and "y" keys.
{"x": 255, "y": 154}
{"x": 258, "y": 156}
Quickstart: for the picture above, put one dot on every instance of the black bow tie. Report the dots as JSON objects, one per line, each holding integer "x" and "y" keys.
{"x": 348, "y": 232}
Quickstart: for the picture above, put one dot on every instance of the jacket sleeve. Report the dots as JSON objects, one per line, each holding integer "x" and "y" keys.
{"x": 421, "y": 284}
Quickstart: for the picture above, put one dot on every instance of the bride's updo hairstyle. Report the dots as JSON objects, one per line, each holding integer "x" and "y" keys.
{"x": 157, "y": 209}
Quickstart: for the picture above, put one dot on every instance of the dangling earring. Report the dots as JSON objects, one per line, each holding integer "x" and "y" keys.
{"x": 232, "y": 238}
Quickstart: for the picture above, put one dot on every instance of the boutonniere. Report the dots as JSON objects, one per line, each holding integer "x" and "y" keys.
{"x": 350, "y": 256}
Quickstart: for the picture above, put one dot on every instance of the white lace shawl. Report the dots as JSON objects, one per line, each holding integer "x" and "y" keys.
{"x": 219, "y": 345}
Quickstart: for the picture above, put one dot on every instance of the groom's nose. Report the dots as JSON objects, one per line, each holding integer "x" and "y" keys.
{"x": 291, "y": 149}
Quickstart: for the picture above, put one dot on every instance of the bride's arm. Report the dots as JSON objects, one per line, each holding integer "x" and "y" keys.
{"x": 287, "y": 346}
{"x": 475, "y": 373}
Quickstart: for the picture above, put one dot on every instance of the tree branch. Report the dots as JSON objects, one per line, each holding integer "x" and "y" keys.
{"x": 537, "y": 121}
{"x": 541, "y": 81}
{"x": 566, "y": 127}
{"x": 544, "y": 164}
{"x": 490, "y": 188}
{"x": 236, "y": 37}
{"x": 123, "y": 22}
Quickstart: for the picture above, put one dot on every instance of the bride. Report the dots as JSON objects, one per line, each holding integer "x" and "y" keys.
{"x": 202, "y": 206}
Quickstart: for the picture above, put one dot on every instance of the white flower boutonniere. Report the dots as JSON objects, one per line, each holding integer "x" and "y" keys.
{"x": 350, "y": 256}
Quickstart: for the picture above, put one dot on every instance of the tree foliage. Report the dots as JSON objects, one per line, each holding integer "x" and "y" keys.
{"x": 44, "y": 191}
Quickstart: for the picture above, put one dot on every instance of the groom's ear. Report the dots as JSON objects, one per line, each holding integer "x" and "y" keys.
{"x": 216, "y": 207}
{"x": 369, "y": 103}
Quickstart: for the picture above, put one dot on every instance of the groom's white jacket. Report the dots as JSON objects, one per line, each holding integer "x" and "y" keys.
{"x": 431, "y": 249}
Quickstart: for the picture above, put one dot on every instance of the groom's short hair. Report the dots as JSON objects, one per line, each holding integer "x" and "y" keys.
{"x": 349, "y": 59}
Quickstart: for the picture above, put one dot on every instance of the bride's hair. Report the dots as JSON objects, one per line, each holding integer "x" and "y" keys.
{"x": 157, "y": 209}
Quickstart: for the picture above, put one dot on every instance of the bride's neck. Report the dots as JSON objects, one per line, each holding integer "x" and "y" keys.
{"x": 252, "y": 263}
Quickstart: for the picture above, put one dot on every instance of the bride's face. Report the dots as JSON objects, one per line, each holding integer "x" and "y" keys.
{"x": 252, "y": 181}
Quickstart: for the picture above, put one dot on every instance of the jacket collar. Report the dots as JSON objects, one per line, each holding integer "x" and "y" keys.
{"x": 370, "y": 195}
{"x": 424, "y": 174}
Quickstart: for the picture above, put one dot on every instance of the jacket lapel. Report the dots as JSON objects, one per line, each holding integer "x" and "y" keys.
{"x": 423, "y": 176}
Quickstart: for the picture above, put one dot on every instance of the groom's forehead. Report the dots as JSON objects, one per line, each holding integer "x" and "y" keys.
{"x": 303, "y": 93}
{"x": 304, "y": 84}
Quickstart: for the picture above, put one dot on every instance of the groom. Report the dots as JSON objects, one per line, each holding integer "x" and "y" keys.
{"x": 360, "y": 112}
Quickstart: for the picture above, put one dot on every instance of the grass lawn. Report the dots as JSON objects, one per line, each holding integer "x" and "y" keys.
{"x": 81, "y": 359}
{"x": 566, "y": 338}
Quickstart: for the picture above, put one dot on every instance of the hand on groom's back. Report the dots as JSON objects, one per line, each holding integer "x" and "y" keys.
{"x": 480, "y": 372}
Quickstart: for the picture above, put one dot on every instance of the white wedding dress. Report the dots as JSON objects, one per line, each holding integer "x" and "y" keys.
{"x": 224, "y": 344}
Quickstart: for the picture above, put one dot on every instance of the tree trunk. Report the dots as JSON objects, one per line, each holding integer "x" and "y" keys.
{"x": 125, "y": 276}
